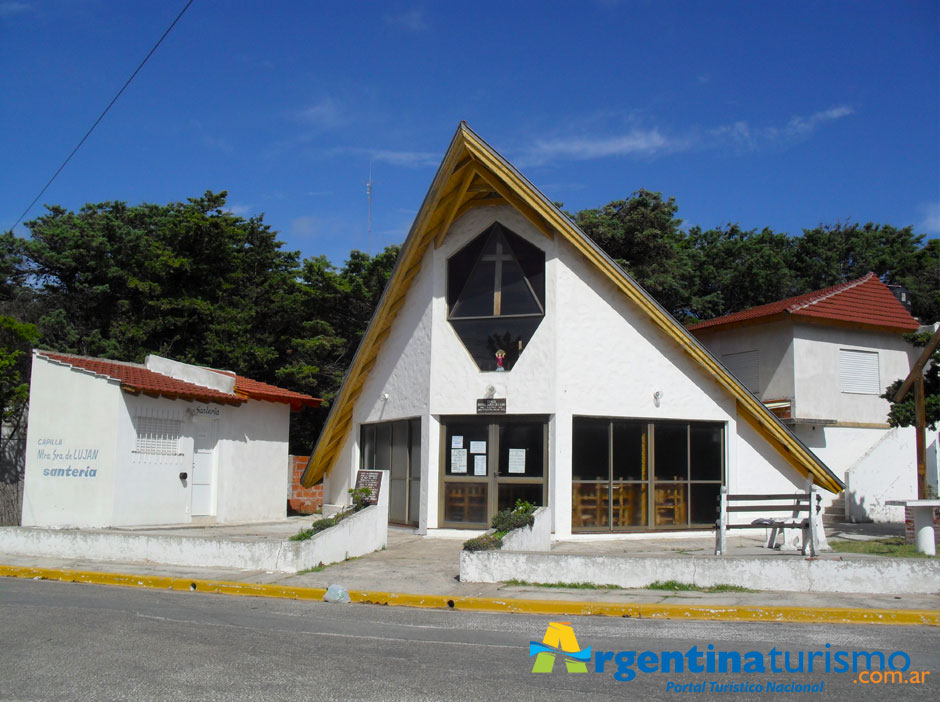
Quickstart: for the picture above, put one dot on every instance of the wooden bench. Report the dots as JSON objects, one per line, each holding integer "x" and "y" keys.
{"x": 797, "y": 504}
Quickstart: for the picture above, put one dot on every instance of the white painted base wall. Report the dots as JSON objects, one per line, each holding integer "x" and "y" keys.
{"x": 887, "y": 471}
{"x": 357, "y": 535}
{"x": 782, "y": 573}
{"x": 537, "y": 537}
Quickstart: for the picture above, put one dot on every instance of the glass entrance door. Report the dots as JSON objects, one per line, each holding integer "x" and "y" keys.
{"x": 396, "y": 447}
{"x": 488, "y": 464}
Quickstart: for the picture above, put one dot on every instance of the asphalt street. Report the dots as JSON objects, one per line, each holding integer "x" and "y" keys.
{"x": 72, "y": 641}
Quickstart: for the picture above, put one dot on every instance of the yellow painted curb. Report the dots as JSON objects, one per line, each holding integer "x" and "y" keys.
{"x": 729, "y": 613}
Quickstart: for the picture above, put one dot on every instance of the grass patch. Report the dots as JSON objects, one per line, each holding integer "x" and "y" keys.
{"x": 570, "y": 586}
{"x": 315, "y": 569}
{"x": 324, "y": 566}
{"x": 676, "y": 586}
{"x": 894, "y": 546}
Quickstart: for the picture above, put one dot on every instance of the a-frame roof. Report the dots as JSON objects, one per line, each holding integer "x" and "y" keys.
{"x": 472, "y": 174}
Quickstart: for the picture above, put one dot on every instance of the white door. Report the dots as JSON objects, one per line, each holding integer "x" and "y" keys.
{"x": 204, "y": 468}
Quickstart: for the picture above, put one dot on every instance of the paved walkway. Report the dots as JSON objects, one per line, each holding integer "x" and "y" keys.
{"x": 429, "y": 566}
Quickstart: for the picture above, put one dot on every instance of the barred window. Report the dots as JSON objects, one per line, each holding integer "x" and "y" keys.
{"x": 158, "y": 436}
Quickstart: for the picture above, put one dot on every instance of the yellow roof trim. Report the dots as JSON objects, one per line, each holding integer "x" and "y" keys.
{"x": 469, "y": 158}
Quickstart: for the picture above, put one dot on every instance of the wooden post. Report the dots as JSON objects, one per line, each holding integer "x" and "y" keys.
{"x": 920, "y": 420}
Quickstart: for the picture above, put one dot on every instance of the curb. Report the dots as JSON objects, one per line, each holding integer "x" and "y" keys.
{"x": 730, "y": 613}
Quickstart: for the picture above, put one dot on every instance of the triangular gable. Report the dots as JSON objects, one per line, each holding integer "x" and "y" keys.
{"x": 472, "y": 175}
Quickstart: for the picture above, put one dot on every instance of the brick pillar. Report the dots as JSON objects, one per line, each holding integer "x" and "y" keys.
{"x": 301, "y": 499}
{"x": 909, "y": 526}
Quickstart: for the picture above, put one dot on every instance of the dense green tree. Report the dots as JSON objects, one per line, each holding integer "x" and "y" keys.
{"x": 338, "y": 305}
{"x": 16, "y": 339}
{"x": 185, "y": 280}
{"x": 731, "y": 269}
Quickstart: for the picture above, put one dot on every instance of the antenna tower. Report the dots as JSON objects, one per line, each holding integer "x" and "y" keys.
{"x": 369, "y": 197}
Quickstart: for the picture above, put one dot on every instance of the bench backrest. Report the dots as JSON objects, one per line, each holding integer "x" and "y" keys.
{"x": 798, "y": 502}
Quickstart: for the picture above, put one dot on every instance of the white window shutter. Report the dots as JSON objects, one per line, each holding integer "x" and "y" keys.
{"x": 745, "y": 366}
{"x": 858, "y": 372}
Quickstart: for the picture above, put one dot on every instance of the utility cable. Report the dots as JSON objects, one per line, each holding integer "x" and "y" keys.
{"x": 101, "y": 116}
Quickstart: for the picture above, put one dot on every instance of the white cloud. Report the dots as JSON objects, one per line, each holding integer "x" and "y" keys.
{"x": 413, "y": 20}
{"x": 408, "y": 159}
{"x": 931, "y": 218}
{"x": 324, "y": 114}
{"x": 803, "y": 126}
{"x": 797, "y": 128}
{"x": 240, "y": 210}
{"x": 8, "y": 9}
{"x": 636, "y": 142}
{"x": 305, "y": 226}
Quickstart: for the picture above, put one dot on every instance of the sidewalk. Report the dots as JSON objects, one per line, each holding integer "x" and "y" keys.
{"x": 423, "y": 571}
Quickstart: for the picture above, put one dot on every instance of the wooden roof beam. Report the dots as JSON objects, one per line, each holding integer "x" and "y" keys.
{"x": 531, "y": 214}
{"x": 452, "y": 210}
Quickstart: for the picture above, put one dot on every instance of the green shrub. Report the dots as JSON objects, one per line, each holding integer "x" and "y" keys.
{"x": 315, "y": 528}
{"x": 522, "y": 515}
{"x": 358, "y": 495}
{"x": 486, "y": 542}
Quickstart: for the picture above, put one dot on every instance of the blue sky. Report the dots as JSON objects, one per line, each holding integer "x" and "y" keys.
{"x": 778, "y": 114}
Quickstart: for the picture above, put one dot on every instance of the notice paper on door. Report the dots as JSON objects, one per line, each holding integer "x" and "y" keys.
{"x": 477, "y": 447}
{"x": 517, "y": 460}
{"x": 456, "y": 442}
{"x": 458, "y": 460}
{"x": 479, "y": 465}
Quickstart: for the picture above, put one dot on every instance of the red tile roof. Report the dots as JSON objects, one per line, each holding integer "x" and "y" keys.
{"x": 137, "y": 378}
{"x": 865, "y": 301}
{"x": 256, "y": 390}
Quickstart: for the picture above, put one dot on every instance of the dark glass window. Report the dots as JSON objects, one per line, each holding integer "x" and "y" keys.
{"x": 590, "y": 456}
{"x": 706, "y": 450}
{"x": 641, "y": 473}
{"x": 672, "y": 451}
{"x": 496, "y": 296}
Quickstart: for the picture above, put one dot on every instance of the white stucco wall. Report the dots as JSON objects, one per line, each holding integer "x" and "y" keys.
{"x": 59, "y": 395}
{"x": 774, "y": 345}
{"x": 816, "y": 362}
{"x": 252, "y": 462}
{"x": 149, "y": 489}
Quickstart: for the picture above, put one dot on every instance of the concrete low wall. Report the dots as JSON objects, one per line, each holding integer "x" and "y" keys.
{"x": 791, "y": 574}
{"x": 357, "y": 535}
{"x": 537, "y": 537}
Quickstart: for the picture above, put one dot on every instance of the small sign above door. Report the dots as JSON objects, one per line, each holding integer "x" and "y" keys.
{"x": 491, "y": 405}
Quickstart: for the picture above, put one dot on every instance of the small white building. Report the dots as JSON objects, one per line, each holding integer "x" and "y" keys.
{"x": 510, "y": 358}
{"x": 163, "y": 442}
{"x": 821, "y": 361}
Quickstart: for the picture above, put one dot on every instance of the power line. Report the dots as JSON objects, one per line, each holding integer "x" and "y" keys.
{"x": 101, "y": 116}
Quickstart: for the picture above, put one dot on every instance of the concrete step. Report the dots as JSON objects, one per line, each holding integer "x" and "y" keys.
{"x": 835, "y": 513}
